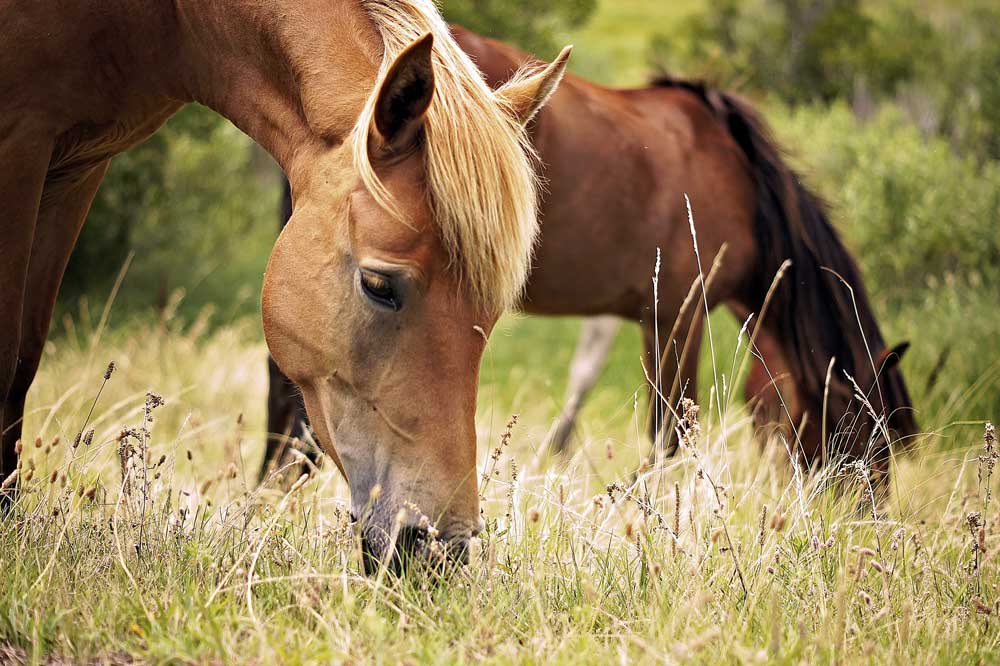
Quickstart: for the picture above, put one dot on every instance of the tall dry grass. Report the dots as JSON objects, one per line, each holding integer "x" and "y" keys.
{"x": 148, "y": 540}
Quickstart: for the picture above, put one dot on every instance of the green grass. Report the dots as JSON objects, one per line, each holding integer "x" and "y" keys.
{"x": 563, "y": 574}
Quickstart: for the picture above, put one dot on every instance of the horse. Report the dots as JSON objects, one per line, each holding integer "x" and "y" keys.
{"x": 415, "y": 211}
{"x": 618, "y": 164}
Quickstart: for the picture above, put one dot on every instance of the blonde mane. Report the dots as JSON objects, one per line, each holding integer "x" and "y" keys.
{"x": 479, "y": 159}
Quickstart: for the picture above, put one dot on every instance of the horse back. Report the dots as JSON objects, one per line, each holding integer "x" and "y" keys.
{"x": 617, "y": 164}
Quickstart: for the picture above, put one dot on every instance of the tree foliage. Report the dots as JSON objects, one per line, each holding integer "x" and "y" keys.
{"x": 530, "y": 24}
{"x": 939, "y": 66}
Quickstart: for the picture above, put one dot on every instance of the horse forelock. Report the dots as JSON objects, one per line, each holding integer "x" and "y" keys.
{"x": 478, "y": 159}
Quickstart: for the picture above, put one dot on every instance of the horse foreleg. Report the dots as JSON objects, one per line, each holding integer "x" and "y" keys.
{"x": 64, "y": 208}
{"x": 286, "y": 414}
{"x": 675, "y": 375}
{"x": 592, "y": 349}
{"x": 286, "y": 423}
{"x": 770, "y": 391}
{"x": 24, "y": 159}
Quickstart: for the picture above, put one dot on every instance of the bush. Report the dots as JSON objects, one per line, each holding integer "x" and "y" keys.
{"x": 917, "y": 215}
{"x": 196, "y": 204}
{"x": 800, "y": 50}
{"x": 531, "y": 25}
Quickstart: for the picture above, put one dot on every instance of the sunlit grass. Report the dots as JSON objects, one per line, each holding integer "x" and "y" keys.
{"x": 721, "y": 554}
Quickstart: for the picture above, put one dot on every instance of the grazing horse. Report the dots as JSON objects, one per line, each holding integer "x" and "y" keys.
{"x": 415, "y": 209}
{"x": 617, "y": 165}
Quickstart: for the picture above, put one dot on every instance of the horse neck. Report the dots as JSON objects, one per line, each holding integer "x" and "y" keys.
{"x": 292, "y": 74}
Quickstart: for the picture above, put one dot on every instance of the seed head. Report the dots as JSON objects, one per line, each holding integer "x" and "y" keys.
{"x": 154, "y": 400}
{"x": 88, "y": 438}
{"x": 18, "y": 447}
{"x": 110, "y": 371}
{"x": 981, "y": 607}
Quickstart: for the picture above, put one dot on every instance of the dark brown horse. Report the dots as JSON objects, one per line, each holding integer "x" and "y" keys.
{"x": 414, "y": 217}
{"x": 618, "y": 164}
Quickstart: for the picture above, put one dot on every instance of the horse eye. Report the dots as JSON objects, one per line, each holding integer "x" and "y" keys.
{"x": 379, "y": 288}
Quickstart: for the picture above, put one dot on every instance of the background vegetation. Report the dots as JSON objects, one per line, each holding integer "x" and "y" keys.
{"x": 890, "y": 109}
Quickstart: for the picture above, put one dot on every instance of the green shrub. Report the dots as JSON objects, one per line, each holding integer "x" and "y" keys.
{"x": 801, "y": 50}
{"x": 530, "y": 24}
{"x": 197, "y": 204}
{"x": 917, "y": 215}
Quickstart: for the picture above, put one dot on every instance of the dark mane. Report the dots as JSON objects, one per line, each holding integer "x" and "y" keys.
{"x": 818, "y": 313}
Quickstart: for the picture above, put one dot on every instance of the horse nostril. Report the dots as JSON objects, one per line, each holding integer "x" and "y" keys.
{"x": 411, "y": 538}
{"x": 458, "y": 550}
{"x": 412, "y": 544}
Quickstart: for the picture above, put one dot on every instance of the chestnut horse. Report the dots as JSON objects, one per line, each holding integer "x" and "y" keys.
{"x": 617, "y": 164}
{"x": 415, "y": 200}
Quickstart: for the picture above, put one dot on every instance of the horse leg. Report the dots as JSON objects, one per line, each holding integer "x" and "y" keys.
{"x": 24, "y": 156}
{"x": 592, "y": 349}
{"x": 286, "y": 423}
{"x": 675, "y": 376}
{"x": 770, "y": 391}
{"x": 64, "y": 209}
{"x": 286, "y": 414}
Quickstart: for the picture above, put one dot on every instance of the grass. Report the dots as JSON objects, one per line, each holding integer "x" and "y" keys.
{"x": 197, "y": 565}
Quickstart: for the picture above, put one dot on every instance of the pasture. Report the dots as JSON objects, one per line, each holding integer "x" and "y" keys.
{"x": 141, "y": 535}
{"x": 720, "y": 554}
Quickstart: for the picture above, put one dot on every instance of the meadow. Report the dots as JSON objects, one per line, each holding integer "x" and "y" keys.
{"x": 150, "y": 542}
{"x": 142, "y": 536}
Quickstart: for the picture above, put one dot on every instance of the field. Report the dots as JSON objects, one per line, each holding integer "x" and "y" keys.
{"x": 142, "y": 536}
{"x": 722, "y": 554}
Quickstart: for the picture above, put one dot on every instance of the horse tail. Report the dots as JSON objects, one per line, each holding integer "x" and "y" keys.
{"x": 820, "y": 309}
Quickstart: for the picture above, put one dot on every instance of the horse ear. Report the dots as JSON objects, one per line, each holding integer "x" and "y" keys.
{"x": 890, "y": 358}
{"x": 528, "y": 95}
{"x": 405, "y": 96}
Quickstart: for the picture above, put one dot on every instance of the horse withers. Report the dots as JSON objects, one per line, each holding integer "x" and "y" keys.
{"x": 415, "y": 210}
